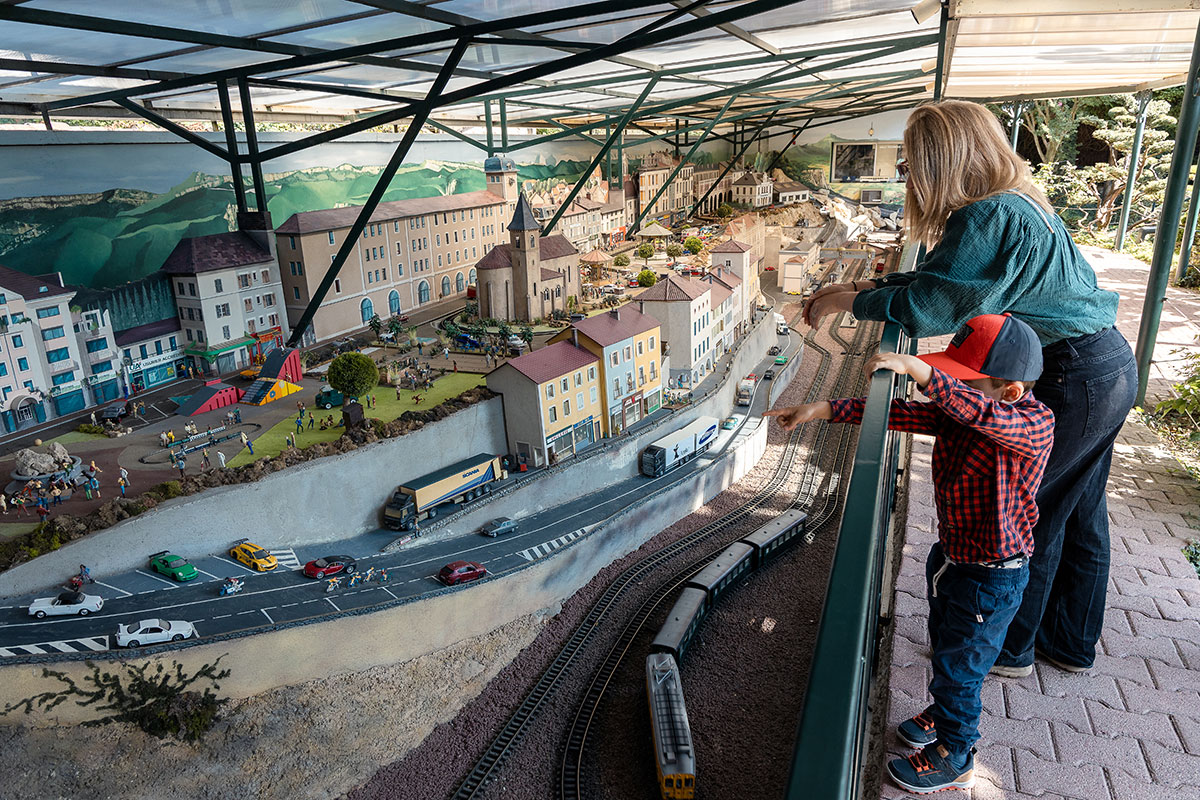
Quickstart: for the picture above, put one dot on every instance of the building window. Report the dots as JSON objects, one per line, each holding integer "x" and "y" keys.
{"x": 22, "y": 364}
{"x": 567, "y": 407}
{"x": 52, "y": 311}
{"x": 368, "y": 276}
{"x": 592, "y": 394}
{"x": 591, "y": 373}
{"x": 614, "y": 358}
{"x": 459, "y": 282}
{"x": 188, "y": 331}
{"x": 54, "y": 356}
{"x": 331, "y": 237}
{"x": 17, "y": 341}
{"x": 368, "y": 310}
{"x": 96, "y": 345}
{"x": 471, "y": 275}
{"x": 266, "y": 276}
{"x": 616, "y": 387}
{"x": 579, "y": 379}
{"x": 553, "y": 413}
{"x": 445, "y": 285}
{"x": 200, "y": 335}
{"x": 53, "y": 333}
{"x": 641, "y": 376}
{"x": 192, "y": 289}
{"x": 63, "y": 377}
{"x": 393, "y": 302}
{"x": 158, "y": 347}
{"x": 292, "y": 242}
{"x": 243, "y": 281}
{"x": 3, "y": 368}
{"x": 337, "y": 286}
{"x": 628, "y": 352}
{"x": 217, "y": 283}
{"x": 143, "y": 351}
{"x": 640, "y": 348}
{"x": 249, "y": 305}
{"x": 296, "y": 292}
{"x": 550, "y": 390}
{"x": 423, "y": 292}
{"x": 225, "y": 332}
{"x": 173, "y": 343}
{"x": 579, "y": 399}
{"x": 566, "y": 384}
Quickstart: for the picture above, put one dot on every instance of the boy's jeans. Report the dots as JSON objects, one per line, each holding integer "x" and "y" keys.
{"x": 970, "y": 606}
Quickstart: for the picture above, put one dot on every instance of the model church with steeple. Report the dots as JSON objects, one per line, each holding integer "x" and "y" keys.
{"x": 530, "y": 277}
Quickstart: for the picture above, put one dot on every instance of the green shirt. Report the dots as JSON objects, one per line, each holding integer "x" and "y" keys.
{"x": 1000, "y": 254}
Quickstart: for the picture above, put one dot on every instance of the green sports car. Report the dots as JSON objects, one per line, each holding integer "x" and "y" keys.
{"x": 172, "y": 566}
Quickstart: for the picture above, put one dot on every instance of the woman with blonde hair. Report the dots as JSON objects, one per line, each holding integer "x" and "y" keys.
{"x": 996, "y": 246}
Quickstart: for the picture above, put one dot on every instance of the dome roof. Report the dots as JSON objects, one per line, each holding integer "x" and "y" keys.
{"x": 499, "y": 164}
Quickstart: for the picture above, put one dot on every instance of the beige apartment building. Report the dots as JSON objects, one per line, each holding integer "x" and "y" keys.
{"x": 412, "y": 253}
{"x": 650, "y": 177}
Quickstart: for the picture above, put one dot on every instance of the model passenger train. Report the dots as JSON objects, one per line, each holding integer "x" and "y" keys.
{"x": 668, "y": 717}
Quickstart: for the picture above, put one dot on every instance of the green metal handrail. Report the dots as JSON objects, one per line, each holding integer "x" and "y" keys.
{"x": 832, "y": 740}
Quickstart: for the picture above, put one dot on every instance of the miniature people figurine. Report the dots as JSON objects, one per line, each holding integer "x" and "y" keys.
{"x": 246, "y": 442}
{"x": 95, "y": 484}
{"x": 237, "y": 417}
{"x": 95, "y": 469}
{"x": 121, "y": 484}
{"x": 56, "y": 495}
{"x": 221, "y": 459}
{"x": 181, "y": 464}
{"x": 300, "y": 423}
{"x": 204, "y": 462}
{"x": 86, "y": 574}
{"x": 312, "y": 419}
{"x": 93, "y": 415}
{"x": 3, "y": 504}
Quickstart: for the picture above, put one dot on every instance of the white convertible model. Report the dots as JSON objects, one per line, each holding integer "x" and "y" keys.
{"x": 149, "y": 631}
{"x": 66, "y": 603}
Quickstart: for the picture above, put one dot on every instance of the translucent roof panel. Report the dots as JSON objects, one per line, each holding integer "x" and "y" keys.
{"x": 241, "y": 18}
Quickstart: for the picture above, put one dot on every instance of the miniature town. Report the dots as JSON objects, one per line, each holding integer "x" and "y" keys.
{"x": 430, "y": 409}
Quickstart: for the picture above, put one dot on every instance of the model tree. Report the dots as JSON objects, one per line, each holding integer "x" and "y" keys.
{"x": 724, "y": 211}
{"x": 526, "y": 335}
{"x": 395, "y": 327}
{"x": 644, "y": 251}
{"x": 693, "y": 244}
{"x": 621, "y": 260}
{"x": 353, "y": 374}
{"x": 376, "y": 325}
{"x": 674, "y": 250}
{"x": 646, "y": 278}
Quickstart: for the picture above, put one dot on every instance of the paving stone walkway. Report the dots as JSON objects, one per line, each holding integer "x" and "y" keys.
{"x": 1129, "y": 729}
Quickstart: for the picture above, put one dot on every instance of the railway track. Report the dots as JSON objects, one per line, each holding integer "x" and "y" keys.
{"x": 510, "y": 734}
{"x": 809, "y": 491}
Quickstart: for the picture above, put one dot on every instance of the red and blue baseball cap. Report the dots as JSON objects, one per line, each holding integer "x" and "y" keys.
{"x": 991, "y": 346}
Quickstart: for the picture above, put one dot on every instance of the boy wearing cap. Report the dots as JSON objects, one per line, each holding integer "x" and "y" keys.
{"x": 992, "y": 442}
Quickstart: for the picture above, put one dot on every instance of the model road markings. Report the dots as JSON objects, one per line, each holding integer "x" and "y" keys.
{"x": 268, "y": 616}
{"x": 172, "y": 584}
{"x": 93, "y": 644}
{"x": 209, "y": 574}
{"x": 238, "y": 564}
{"x": 335, "y": 608}
{"x": 115, "y": 589}
{"x": 286, "y": 558}
{"x": 546, "y": 548}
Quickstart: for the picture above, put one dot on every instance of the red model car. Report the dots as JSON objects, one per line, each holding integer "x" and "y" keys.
{"x": 329, "y": 565}
{"x": 459, "y": 571}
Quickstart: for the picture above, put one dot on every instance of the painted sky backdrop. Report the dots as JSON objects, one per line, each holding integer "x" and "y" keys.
{"x": 106, "y": 207}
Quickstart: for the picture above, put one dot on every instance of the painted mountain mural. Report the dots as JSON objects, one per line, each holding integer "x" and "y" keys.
{"x": 108, "y": 238}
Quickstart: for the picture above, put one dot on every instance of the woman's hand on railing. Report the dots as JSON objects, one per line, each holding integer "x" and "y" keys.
{"x": 829, "y": 300}
{"x": 792, "y": 416}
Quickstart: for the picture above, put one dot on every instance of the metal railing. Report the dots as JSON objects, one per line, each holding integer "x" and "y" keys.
{"x": 831, "y": 744}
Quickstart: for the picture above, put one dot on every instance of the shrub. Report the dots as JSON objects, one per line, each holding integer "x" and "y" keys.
{"x": 693, "y": 244}
{"x": 88, "y": 427}
{"x": 645, "y": 251}
{"x": 646, "y": 278}
{"x": 353, "y": 374}
{"x": 165, "y": 490}
{"x": 674, "y": 250}
{"x": 621, "y": 260}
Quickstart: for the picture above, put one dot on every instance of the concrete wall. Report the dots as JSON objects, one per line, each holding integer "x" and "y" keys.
{"x": 403, "y": 632}
{"x": 323, "y": 500}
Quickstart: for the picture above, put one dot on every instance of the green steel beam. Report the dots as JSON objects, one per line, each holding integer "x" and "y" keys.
{"x": 1168, "y": 221}
{"x": 381, "y": 187}
{"x": 1189, "y": 231}
{"x": 1018, "y": 111}
{"x": 252, "y": 154}
{"x": 637, "y": 223}
{"x": 792, "y": 141}
{"x": 624, "y": 44}
{"x": 1135, "y": 155}
{"x": 491, "y": 133}
{"x": 178, "y": 130}
{"x": 231, "y": 147}
{"x": 462, "y": 137}
{"x": 733, "y": 160}
{"x": 542, "y": 16}
{"x": 64, "y": 68}
{"x": 608, "y": 144}
{"x": 939, "y": 75}
{"x": 503, "y": 125}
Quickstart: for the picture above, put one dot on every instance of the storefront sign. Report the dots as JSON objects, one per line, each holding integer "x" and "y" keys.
{"x": 65, "y": 388}
{"x": 154, "y": 360}
{"x": 92, "y": 380}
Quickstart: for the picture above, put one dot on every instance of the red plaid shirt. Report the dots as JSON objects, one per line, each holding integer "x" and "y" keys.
{"x": 988, "y": 461}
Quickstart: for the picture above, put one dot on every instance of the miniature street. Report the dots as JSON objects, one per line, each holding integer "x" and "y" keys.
{"x": 285, "y": 595}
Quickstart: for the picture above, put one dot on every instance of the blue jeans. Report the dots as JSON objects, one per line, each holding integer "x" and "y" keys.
{"x": 1090, "y": 384}
{"x": 970, "y": 607}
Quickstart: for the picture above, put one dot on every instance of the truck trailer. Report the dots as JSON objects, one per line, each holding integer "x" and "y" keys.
{"x": 678, "y": 448}
{"x": 462, "y": 482}
{"x": 781, "y": 326}
{"x": 745, "y": 392}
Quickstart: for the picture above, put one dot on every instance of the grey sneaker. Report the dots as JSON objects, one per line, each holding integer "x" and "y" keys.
{"x": 1011, "y": 672}
{"x": 1064, "y": 666}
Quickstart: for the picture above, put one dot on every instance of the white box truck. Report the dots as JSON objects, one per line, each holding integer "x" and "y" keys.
{"x": 679, "y": 447}
{"x": 781, "y": 326}
{"x": 745, "y": 391}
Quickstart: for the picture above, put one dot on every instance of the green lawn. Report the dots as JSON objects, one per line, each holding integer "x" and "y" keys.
{"x": 271, "y": 442}
{"x": 75, "y": 437}
{"x": 19, "y": 525}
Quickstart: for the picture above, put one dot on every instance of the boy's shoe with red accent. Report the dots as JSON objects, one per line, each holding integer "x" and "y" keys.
{"x": 917, "y": 732}
{"x": 930, "y": 771}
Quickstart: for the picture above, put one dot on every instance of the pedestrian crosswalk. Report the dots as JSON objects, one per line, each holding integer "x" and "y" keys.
{"x": 546, "y": 548}
{"x": 287, "y": 558}
{"x": 92, "y": 644}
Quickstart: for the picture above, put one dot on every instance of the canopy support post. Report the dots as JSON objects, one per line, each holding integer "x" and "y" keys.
{"x": 231, "y": 147}
{"x": 1168, "y": 221}
{"x": 1135, "y": 155}
{"x": 1189, "y": 230}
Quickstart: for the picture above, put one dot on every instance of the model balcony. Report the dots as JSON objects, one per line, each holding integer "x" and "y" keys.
{"x": 63, "y": 366}
{"x": 95, "y": 356}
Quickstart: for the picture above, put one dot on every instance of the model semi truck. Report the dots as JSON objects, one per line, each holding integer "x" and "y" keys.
{"x": 745, "y": 391}
{"x": 462, "y": 482}
{"x": 781, "y": 326}
{"x": 679, "y": 447}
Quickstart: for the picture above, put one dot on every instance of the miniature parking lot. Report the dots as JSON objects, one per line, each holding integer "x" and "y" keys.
{"x": 285, "y": 595}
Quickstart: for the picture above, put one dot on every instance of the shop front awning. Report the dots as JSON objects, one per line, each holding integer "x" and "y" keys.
{"x": 213, "y": 352}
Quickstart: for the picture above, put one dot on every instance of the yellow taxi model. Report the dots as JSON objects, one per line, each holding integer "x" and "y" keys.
{"x": 253, "y": 556}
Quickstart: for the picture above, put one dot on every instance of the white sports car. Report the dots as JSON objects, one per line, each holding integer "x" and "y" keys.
{"x": 66, "y": 603}
{"x": 150, "y": 631}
